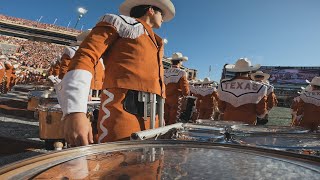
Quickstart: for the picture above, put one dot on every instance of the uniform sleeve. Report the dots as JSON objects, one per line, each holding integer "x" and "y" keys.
{"x": 184, "y": 85}
{"x": 300, "y": 108}
{"x": 65, "y": 61}
{"x": 261, "y": 107}
{"x": 92, "y": 48}
{"x": 271, "y": 100}
{"x": 76, "y": 83}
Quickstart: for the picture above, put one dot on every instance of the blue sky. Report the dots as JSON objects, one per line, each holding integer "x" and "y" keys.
{"x": 209, "y": 32}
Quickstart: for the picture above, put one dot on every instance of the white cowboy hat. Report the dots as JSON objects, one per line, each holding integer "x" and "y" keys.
{"x": 81, "y": 37}
{"x": 166, "y": 7}
{"x": 315, "y": 81}
{"x": 178, "y": 56}
{"x": 3, "y": 57}
{"x": 242, "y": 65}
{"x": 207, "y": 81}
{"x": 260, "y": 73}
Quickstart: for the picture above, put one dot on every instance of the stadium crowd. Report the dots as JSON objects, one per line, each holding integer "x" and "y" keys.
{"x": 36, "y": 24}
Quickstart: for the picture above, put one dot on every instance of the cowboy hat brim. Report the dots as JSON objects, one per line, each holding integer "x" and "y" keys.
{"x": 232, "y": 68}
{"x": 265, "y": 75}
{"x": 184, "y": 58}
{"x": 166, "y": 6}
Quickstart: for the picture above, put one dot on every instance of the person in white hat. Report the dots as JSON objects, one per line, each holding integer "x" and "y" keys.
{"x": 69, "y": 52}
{"x": 177, "y": 86}
{"x": 241, "y": 99}
{"x": 308, "y": 111}
{"x": 272, "y": 101}
{"x": 67, "y": 55}
{"x": 208, "y": 97}
{"x": 295, "y": 103}
{"x": 132, "y": 54}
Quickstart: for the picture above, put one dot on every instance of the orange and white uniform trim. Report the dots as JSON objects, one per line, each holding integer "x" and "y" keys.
{"x": 242, "y": 99}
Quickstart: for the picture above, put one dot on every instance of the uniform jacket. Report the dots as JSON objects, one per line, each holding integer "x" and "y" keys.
{"x": 308, "y": 111}
{"x": 65, "y": 60}
{"x": 207, "y": 96}
{"x": 132, "y": 54}
{"x": 2, "y": 71}
{"x": 243, "y": 100}
{"x": 271, "y": 97}
{"x": 98, "y": 76}
{"x": 176, "y": 83}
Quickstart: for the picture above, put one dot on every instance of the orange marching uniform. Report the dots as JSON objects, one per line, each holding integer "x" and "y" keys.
{"x": 132, "y": 54}
{"x": 241, "y": 99}
{"x": 308, "y": 111}
{"x": 207, "y": 97}
{"x": 3, "y": 77}
{"x": 177, "y": 86}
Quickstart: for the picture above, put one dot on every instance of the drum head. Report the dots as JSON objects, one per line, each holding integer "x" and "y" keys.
{"x": 282, "y": 141}
{"x": 209, "y": 122}
{"x": 268, "y": 129}
{"x": 165, "y": 160}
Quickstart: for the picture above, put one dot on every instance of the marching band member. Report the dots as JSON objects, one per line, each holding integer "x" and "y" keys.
{"x": 208, "y": 96}
{"x": 241, "y": 99}
{"x": 132, "y": 54}
{"x": 194, "y": 91}
{"x": 56, "y": 66}
{"x": 9, "y": 67}
{"x": 294, "y": 105}
{"x": 69, "y": 52}
{"x": 272, "y": 101}
{"x": 3, "y": 77}
{"x": 177, "y": 86}
{"x": 308, "y": 110}
{"x": 98, "y": 76}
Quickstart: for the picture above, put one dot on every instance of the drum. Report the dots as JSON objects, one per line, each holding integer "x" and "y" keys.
{"x": 188, "y": 104}
{"x": 250, "y": 129}
{"x": 165, "y": 160}
{"x": 50, "y": 122}
{"x": 34, "y": 99}
{"x": 208, "y": 122}
{"x": 299, "y": 143}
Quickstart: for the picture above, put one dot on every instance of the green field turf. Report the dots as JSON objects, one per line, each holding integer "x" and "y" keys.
{"x": 280, "y": 116}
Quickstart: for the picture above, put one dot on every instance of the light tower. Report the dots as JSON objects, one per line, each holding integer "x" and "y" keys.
{"x": 82, "y": 11}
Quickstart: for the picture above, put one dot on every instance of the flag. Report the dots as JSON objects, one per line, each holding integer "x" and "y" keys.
{"x": 210, "y": 68}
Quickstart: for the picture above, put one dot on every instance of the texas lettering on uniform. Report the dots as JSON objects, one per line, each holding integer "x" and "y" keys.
{"x": 240, "y": 85}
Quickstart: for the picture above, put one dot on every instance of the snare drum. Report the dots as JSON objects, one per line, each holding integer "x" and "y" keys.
{"x": 250, "y": 129}
{"x": 165, "y": 160}
{"x": 219, "y": 124}
{"x": 50, "y": 122}
{"x": 300, "y": 143}
{"x": 34, "y": 99}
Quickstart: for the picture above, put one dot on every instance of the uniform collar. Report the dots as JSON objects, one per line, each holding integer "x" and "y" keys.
{"x": 157, "y": 41}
